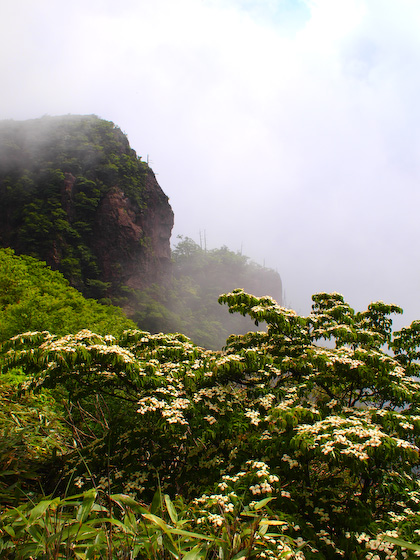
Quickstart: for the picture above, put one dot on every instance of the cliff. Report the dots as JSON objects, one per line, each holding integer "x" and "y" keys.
{"x": 73, "y": 193}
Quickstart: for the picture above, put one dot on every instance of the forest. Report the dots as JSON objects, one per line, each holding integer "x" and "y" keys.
{"x": 188, "y": 303}
{"x": 162, "y": 403}
{"x": 296, "y": 441}
{"x": 54, "y": 174}
{"x": 75, "y": 195}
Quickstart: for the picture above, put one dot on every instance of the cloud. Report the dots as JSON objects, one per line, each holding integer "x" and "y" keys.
{"x": 289, "y": 129}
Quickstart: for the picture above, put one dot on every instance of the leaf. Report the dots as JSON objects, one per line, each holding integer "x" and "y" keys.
{"x": 404, "y": 544}
{"x": 156, "y": 504}
{"x": 40, "y": 509}
{"x": 124, "y": 500}
{"x": 169, "y": 544}
{"x": 157, "y": 521}
{"x": 193, "y": 554}
{"x": 81, "y": 531}
{"x": 110, "y": 520}
{"x": 36, "y": 533}
{"x": 86, "y": 507}
{"x": 9, "y": 530}
{"x": 262, "y": 503}
{"x": 184, "y": 533}
{"x": 263, "y": 528}
{"x": 130, "y": 521}
{"x": 171, "y": 509}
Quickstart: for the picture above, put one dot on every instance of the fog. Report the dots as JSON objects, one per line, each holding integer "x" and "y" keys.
{"x": 285, "y": 129}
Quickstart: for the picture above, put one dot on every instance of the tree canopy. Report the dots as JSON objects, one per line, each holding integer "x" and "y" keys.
{"x": 33, "y": 297}
{"x": 188, "y": 304}
{"x": 278, "y": 447}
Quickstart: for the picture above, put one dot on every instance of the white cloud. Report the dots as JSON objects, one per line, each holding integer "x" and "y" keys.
{"x": 287, "y": 128}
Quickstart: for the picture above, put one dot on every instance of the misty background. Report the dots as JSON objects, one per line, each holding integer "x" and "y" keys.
{"x": 288, "y": 129}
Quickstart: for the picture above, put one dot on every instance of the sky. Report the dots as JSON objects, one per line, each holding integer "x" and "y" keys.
{"x": 285, "y": 129}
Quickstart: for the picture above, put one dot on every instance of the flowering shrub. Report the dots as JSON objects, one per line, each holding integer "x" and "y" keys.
{"x": 329, "y": 435}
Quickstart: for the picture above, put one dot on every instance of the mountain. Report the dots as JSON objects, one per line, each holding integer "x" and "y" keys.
{"x": 74, "y": 194}
{"x": 189, "y": 303}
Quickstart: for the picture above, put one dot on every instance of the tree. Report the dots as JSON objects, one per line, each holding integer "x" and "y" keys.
{"x": 329, "y": 434}
{"x": 189, "y": 303}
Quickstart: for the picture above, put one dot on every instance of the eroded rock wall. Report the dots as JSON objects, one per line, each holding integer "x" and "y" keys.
{"x": 74, "y": 193}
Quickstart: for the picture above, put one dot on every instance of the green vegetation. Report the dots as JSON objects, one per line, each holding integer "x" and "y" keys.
{"x": 33, "y": 297}
{"x": 39, "y": 215}
{"x": 55, "y": 174}
{"x": 300, "y": 441}
{"x": 189, "y": 303}
{"x": 148, "y": 446}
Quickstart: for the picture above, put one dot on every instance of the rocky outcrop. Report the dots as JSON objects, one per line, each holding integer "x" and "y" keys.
{"x": 132, "y": 244}
{"x": 73, "y": 193}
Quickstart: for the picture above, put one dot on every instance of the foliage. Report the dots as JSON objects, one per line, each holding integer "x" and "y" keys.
{"x": 54, "y": 172}
{"x": 97, "y": 525}
{"x": 314, "y": 446}
{"x": 189, "y": 303}
{"x": 33, "y": 297}
{"x": 32, "y": 437}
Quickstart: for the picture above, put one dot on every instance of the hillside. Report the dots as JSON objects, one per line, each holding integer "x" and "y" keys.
{"x": 189, "y": 303}
{"x": 146, "y": 446}
{"x": 300, "y": 440}
{"x": 74, "y": 194}
{"x": 35, "y": 298}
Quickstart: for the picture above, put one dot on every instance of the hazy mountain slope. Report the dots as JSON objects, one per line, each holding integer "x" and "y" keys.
{"x": 189, "y": 304}
{"x": 73, "y": 193}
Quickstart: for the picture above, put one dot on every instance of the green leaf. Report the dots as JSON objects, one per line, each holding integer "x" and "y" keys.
{"x": 171, "y": 509}
{"x": 36, "y": 533}
{"x": 194, "y": 553}
{"x": 262, "y": 503}
{"x": 157, "y": 521}
{"x": 184, "y": 533}
{"x": 404, "y": 544}
{"x": 124, "y": 500}
{"x": 9, "y": 530}
{"x": 81, "y": 531}
{"x": 86, "y": 507}
{"x": 110, "y": 520}
{"x": 40, "y": 509}
{"x": 156, "y": 504}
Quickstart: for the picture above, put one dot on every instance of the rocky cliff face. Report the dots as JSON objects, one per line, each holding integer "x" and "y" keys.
{"x": 132, "y": 244}
{"x": 73, "y": 193}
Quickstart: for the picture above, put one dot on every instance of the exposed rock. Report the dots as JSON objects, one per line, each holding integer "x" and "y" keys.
{"x": 73, "y": 193}
{"x": 132, "y": 245}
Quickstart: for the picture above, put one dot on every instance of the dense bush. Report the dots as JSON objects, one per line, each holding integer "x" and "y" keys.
{"x": 33, "y": 297}
{"x": 328, "y": 434}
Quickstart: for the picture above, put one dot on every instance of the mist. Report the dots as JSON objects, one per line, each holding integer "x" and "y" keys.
{"x": 286, "y": 130}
